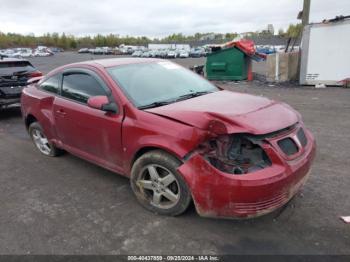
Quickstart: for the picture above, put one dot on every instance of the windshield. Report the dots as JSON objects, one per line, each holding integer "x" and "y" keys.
{"x": 153, "y": 83}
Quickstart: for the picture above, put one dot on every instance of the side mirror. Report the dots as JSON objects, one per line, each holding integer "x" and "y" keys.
{"x": 102, "y": 103}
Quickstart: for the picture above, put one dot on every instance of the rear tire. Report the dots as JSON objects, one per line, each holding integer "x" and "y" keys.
{"x": 158, "y": 186}
{"x": 41, "y": 142}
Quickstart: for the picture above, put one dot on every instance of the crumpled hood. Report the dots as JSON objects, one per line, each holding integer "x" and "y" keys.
{"x": 238, "y": 112}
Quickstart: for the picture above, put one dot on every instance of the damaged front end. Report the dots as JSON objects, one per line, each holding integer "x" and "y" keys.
{"x": 246, "y": 175}
{"x": 236, "y": 154}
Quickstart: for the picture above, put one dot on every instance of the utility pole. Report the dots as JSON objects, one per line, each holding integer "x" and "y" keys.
{"x": 304, "y": 15}
{"x": 306, "y": 12}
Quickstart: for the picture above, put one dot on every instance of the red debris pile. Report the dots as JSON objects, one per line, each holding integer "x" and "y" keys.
{"x": 246, "y": 46}
{"x": 345, "y": 82}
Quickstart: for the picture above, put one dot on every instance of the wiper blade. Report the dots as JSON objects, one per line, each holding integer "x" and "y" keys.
{"x": 156, "y": 104}
{"x": 167, "y": 102}
{"x": 191, "y": 95}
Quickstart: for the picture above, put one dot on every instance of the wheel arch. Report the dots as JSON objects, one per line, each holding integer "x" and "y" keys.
{"x": 145, "y": 149}
{"x": 29, "y": 119}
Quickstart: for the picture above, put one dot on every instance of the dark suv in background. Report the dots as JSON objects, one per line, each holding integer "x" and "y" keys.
{"x": 14, "y": 74}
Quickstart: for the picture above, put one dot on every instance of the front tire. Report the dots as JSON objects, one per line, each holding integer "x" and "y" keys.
{"x": 158, "y": 186}
{"x": 41, "y": 142}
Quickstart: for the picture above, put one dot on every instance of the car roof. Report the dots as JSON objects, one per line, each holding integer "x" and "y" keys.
{"x": 105, "y": 63}
{"x": 118, "y": 61}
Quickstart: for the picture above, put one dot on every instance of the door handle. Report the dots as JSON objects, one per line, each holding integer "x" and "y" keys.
{"x": 61, "y": 112}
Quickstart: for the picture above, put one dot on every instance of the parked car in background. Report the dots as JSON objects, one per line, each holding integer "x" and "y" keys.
{"x": 98, "y": 51}
{"x": 14, "y": 74}
{"x": 11, "y": 53}
{"x": 102, "y": 51}
{"x": 117, "y": 51}
{"x": 128, "y": 50}
{"x": 146, "y": 54}
{"x": 107, "y": 50}
{"x": 177, "y": 136}
{"x": 194, "y": 53}
{"x": 83, "y": 51}
{"x": 41, "y": 48}
{"x": 26, "y": 52}
{"x": 171, "y": 54}
{"x": 2, "y": 53}
{"x": 56, "y": 49}
{"x": 136, "y": 54}
{"x": 16, "y": 52}
{"x": 162, "y": 53}
{"x": 153, "y": 53}
{"x": 280, "y": 48}
{"x": 41, "y": 53}
{"x": 266, "y": 50}
{"x": 197, "y": 52}
{"x": 123, "y": 50}
{"x": 184, "y": 54}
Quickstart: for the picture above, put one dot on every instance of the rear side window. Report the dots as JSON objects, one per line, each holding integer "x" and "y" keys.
{"x": 80, "y": 87}
{"x": 51, "y": 85}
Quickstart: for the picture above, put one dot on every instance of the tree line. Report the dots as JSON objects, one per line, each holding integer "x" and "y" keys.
{"x": 65, "y": 41}
{"x": 72, "y": 42}
{"x": 293, "y": 31}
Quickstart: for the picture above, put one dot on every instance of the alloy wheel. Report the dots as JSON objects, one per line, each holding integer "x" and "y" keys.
{"x": 159, "y": 186}
{"x": 41, "y": 142}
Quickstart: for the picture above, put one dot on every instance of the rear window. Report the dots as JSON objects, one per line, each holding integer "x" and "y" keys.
{"x": 15, "y": 64}
{"x": 11, "y": 67}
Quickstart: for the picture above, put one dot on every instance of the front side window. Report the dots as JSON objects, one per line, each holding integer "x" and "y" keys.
{"x": 149, "y": 83}
{"x": 51, "y": 84}
{"x": 80, "y": 87}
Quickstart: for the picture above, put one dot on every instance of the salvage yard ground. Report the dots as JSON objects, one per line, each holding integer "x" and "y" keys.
{"x": 66, "y": 205}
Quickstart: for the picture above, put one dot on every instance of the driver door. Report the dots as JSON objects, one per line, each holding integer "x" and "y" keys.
{"x": 87, "y": 132}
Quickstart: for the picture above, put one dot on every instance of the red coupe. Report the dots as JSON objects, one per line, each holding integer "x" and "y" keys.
{"x": 177, "y": 136}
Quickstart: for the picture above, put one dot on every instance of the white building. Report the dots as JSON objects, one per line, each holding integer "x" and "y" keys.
{"x": 208, "y": 37}
{"x": 270, "y": 29}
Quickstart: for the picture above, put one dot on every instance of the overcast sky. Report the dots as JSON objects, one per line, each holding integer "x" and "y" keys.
{"x": 157, "y": 18}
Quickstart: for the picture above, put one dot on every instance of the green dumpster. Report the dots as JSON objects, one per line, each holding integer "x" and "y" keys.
{"x": 227, "y": 64}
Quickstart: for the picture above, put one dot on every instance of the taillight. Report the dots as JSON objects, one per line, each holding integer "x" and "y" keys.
{"x": 35, "y": 73}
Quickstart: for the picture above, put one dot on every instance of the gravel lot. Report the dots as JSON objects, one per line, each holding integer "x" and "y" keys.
{"x": 66, "y": 205}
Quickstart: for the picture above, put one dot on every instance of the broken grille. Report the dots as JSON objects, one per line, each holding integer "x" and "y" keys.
{"x": 288, "y": 146}
{"x": 302, "y": 138}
